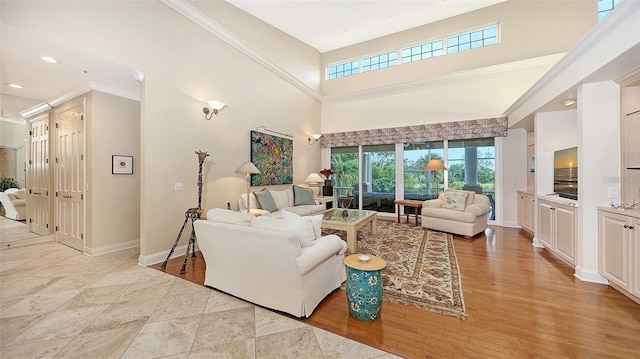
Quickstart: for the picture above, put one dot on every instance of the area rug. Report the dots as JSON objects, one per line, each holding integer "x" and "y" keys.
{"x": 422, "y": 269}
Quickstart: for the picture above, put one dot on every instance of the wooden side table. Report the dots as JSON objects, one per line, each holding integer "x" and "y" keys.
{"x": 416, "y": 205}
{"x": 364, "y": 286}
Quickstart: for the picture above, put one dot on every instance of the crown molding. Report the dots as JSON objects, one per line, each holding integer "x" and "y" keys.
{"x": 77, "y": 91}
{"x": 15, "y": 122}
{"x": 199, "y": 18}
{"x": 438, "y": 79}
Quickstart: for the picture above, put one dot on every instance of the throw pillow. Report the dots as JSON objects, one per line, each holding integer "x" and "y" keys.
{"x": 227, "y": 216}
{"x": 302, "y": 196}
{"x": 302, "y": 229}
{"x": 265, "y": 200}
{"x": 281, "y": 198}
{"x": 455, "y": 200}
{"x": 316, "y": 221}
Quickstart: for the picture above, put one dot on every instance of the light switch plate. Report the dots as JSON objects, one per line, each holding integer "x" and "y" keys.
{"x": 613, "y": 192}
{"x": 177, "y": 186}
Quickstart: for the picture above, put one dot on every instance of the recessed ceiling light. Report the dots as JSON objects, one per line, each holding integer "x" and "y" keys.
{"x": 49, "y": 59}
{"x": 15, "y": 86}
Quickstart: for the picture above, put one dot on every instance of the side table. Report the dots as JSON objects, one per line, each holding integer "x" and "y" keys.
{"x": 364, "y": 286}
{"x": 409, "y": 203}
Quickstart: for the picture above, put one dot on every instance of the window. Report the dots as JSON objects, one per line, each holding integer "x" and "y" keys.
{"x": 473, "y": 40}
{"x": 380, "y": 61}
{"x": 419, "y": 184}
{"x": 605, "y": 7}
{"x": 421, "y": 52}
{"x": 467, "y": 41}
{"x": 343, "y": 70}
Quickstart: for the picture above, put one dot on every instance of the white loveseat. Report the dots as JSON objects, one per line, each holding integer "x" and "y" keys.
{"x": 14, "y": 202}
{"x": 283, "y": 199}
{"x": 269, "y": 267}
{"x": 456, "y": 211}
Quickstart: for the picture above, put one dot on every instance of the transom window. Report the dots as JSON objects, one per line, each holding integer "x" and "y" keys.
{"x": 380, "y": 61}
{"x": 605, "y": 7}
{"x": 461, "y": 42}
{"x": 342, "y": 70}
{"x": 422, "y": 52}
{"x": 473, "y": 40}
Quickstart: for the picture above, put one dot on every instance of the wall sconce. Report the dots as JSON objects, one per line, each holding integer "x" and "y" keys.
{"x": 568, "y": 103}
{"x": 213, "y": 109}
{"x": 314, "y": 138}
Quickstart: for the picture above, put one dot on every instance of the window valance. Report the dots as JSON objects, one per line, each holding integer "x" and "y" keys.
{"x": 481, "y": 128}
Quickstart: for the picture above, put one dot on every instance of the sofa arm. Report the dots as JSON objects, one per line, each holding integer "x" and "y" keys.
{"x": 478, "y": 209}
{"x": 433, "y": 203}
{"x": 323, "y": 248}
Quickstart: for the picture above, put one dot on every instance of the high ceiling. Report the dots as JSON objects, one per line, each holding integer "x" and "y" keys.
{"x": 330, "y": 24}
{"x": 323, "y": 24}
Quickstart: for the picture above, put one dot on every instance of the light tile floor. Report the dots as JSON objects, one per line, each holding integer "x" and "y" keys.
{"x": 56, "y": 302}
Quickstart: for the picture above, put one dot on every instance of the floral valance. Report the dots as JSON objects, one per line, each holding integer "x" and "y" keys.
{"x": 456, "y": 130}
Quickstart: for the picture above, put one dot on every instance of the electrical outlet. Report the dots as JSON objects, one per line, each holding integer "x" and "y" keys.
{"x": 613, "y": 192}
{"x": 177, "y": 186}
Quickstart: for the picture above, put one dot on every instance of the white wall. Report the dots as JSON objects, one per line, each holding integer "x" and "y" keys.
{"x": 185, "y": 65}
{"x": 599, "y": 157}
{"x": 513, "y": 166}
{"x": 113, "y": 128}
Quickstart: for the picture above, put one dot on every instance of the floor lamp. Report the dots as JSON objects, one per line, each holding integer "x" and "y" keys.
{"x": 247, "y": 169}
{"x": 433, "y": 166}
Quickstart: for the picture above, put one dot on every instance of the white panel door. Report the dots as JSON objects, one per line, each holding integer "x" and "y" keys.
{"x": 69, "y": 176}
{"x": 39, "y": 177}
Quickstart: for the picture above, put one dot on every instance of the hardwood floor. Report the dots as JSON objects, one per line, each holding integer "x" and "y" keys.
{"x": 521, "y": 302}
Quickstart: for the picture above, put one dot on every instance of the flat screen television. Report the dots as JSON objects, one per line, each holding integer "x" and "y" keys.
{"x": 565, "y": 173}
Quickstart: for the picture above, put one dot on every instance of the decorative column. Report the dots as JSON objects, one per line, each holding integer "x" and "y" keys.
{"x": 471, "y": 170}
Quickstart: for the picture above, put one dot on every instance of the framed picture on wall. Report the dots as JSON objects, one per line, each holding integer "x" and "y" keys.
{"x": 121, "y": 165}
{"x": 273, "y": 156}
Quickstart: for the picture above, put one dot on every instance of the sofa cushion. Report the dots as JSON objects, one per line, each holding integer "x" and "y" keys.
{"x": 226, "y": 216}
{"x": 303, "y": 229}
{"x": 282, "y": 199}
{"x": 302, "y": 196}
{"x": 265, "y": 200}
{"x": 316, "y": 221}
{"x": 305, "y": 210}
{"x": 450, "y": 214}
{"x": 455, "y": 200}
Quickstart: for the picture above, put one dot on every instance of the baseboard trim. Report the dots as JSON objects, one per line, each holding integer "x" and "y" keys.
{"x": 111, "y": 248}
{"x": 511, "y": 224}
{"x": 590, "y": 276}
{"x": 536, "y": 243}
{"x": 161, "y": 256}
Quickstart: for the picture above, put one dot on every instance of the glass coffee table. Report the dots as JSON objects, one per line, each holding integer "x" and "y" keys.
{"x": 351, "y": 223}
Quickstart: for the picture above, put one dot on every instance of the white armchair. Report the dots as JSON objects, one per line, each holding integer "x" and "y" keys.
{"x": 269, "y": 267}
{"x": 14, "y": 202}
{"x": 456, "y": 211}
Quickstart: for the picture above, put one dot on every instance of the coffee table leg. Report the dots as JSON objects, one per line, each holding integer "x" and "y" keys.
{"x": 351, "y": 239}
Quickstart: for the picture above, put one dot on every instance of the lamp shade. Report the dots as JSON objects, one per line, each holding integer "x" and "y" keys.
{"x": 247, "y": 168}
{"x": 435, "y": 165}
{"x": 314, "y": 178}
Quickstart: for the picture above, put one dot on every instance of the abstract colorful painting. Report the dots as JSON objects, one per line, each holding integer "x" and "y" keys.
{"x": 273, "y": 156}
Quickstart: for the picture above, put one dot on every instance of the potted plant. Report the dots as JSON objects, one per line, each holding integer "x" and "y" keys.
{"x": 8, "y": 182}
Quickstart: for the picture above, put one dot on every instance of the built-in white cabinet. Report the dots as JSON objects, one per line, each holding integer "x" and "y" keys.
{"x": 526, "y": 211}
{"x": 619, "y": 249}
{"x": 557, "y": 227}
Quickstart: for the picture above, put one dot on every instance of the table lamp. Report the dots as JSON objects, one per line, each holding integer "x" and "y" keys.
{"x": 247, "y": 169}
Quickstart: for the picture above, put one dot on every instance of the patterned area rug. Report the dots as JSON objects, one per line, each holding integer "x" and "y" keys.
{"x": 422, "y": 269}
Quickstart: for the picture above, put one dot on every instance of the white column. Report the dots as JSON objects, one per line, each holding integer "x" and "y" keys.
{"x": 598, "y": 157}
{"x": 471, "y": 169}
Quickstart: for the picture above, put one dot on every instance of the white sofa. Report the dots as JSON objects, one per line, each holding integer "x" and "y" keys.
{"x": 467, "y": 218}
{"x": 269, "y": 267}
{"x": 284, "y": 201}
{"x": 14, "y": 202}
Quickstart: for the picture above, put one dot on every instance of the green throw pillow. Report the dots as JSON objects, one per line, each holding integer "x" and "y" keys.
{"x": 302, "y": 196}
{"x": 265, "y": 200}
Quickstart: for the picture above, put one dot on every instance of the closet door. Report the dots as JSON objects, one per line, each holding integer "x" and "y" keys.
{"x": 39, "y": 177}
{"x": 69, "y": 175}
